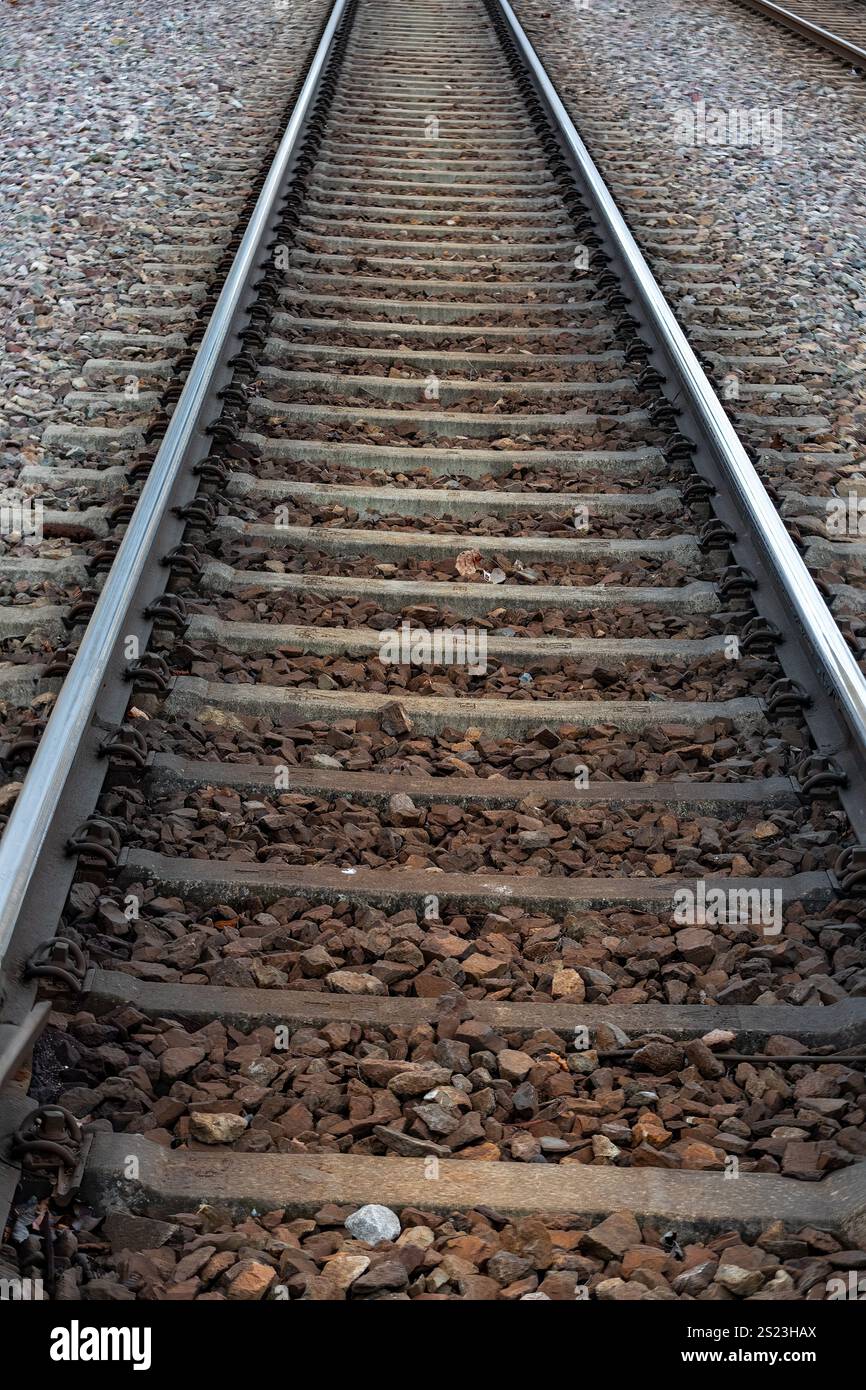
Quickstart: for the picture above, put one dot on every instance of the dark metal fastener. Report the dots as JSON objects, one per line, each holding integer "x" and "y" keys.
{"x": 49, "y": 1144}
{"x": 850, "y": 869}
{"x": 185, "y": 559}
{"x": 736, "y": 582}
{"x": 149, "y": 672}
{"x": 126, "y": 747}
{"x": 97, "y": 838}
{"x": 62, "y": 960}
{"x": 820, "y": 776}
{"x": 168, "y": 610}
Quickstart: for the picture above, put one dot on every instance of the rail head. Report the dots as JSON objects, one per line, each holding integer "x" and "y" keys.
{"x": 32, "y": 815}
{"x": 842, "y": 676}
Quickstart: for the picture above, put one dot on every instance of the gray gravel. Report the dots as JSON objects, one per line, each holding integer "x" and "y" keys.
{"x": 117, "y": 124}
{"x": 785, "y": 222}
{"x": 129, "y": 146}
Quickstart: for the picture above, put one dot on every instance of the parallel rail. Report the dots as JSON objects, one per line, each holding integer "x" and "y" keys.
{"x": 817, "y": 22}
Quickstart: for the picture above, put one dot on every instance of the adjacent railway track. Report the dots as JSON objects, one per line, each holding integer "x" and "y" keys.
{"x": 456, "y": 741}
{"x": 838, "y": 26}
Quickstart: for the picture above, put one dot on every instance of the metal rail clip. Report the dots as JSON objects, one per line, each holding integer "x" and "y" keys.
{"x": 50, "y": 1144}
{"x": 62, "y": 961}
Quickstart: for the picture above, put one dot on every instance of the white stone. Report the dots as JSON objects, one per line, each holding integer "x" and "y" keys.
{"x": 374, "y": 1224}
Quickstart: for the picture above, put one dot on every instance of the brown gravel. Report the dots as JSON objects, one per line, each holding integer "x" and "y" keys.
{"x": 621, "y": 956}
{"x": 709, "y": 679}
{"x": 631, "y": 571}
{"x": 608, "y": 366}
{"x": 257, "y": 603}
{"x": 667, "y": 519}
{"x": 457, "y": 1088}
{"x": 594, "y": 431}
{"x": 533, "y": 837}
{"x": 518, "y": 477}
{"x": 670, "y": 751}
{"x": 477, "y": 1255}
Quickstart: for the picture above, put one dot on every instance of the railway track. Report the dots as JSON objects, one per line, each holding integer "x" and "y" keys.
{"x": 459, "y": 770}
{"x": 837, "y": 26}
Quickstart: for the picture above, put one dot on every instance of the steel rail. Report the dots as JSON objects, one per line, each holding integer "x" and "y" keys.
{"x": 843, "y": 676}
{"x": 34, "y": 809}
{"x": 833, "y": 43}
